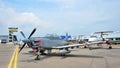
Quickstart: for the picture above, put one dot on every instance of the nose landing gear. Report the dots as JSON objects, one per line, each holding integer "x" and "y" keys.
{"x": 38, "y": 54}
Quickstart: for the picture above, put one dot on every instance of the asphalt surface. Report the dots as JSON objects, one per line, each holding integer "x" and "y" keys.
{"x": 78, "y": 58}
{"x": 6, "y": 51}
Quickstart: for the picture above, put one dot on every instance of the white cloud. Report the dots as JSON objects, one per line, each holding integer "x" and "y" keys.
{"x": 10, "y": 17}
{"x": 28, "y": 17}
{"x": 78, "y": 14}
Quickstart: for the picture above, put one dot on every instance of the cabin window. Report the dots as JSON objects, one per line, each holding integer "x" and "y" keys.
{"x": 110, "y": 38}
{"x": 93, "y": 36}
{"x": 117, "y": 39}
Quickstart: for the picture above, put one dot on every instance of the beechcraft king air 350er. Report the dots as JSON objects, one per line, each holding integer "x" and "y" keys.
{"x": 42, "y": 44}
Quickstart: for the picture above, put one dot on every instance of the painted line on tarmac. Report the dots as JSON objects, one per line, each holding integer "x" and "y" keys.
{"x": 14, "y": 58}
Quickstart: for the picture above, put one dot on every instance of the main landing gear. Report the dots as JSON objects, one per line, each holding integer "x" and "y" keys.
{"x": 110, "y": 47}
{"x": 109, "y": 44}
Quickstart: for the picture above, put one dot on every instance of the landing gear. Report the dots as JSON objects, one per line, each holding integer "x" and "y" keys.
{"x": 38, "y": 54}
{"x": 90, "y": 48}
{"x": 85, "y": 46}
{"x": 110, "y": 47}
{"x": 62, "y": 54}
{"x": 109, "y": 44}
{"x": 37, "y": 58}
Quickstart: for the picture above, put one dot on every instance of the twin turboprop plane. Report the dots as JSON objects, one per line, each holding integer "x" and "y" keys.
{"x": 99, "y": 40}
{"x": 42, "y": 44}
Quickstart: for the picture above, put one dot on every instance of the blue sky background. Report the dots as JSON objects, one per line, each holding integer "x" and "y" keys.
{"x": 77, "y": 17}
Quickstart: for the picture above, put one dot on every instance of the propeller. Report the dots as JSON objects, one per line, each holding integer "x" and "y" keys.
{"x": 27, "y": 39}
{"x": 32, "y": 33}
{"x": 22, "y": 47}
{"x": 22, "y": 34}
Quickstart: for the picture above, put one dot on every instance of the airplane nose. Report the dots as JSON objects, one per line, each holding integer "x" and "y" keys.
{"x": 37, "y": 42}
{"x": 26, "y": 40}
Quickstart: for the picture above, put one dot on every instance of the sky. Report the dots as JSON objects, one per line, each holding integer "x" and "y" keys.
{"x": 76, "y": 17}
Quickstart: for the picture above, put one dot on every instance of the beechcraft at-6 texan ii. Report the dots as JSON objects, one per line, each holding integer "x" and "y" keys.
{"x": 42, "y": 44}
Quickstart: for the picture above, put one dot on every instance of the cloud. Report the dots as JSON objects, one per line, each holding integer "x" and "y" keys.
{"x": 10, "y": 17}
{"x": 25, "y": 21}
{"x": 60, "y": 15}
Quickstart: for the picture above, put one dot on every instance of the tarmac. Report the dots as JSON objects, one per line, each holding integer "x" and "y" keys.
{"x": 6, "y": 51}
{"x": 78, "y": 58}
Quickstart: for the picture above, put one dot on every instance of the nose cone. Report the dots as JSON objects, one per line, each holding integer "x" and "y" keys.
{"x": 26, "y": 40}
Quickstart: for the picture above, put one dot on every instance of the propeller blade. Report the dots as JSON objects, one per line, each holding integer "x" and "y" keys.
{"x": 15, "y": 38}
{"x": 22, "y": 47}
{"x": 29, "y": 45}
{"x": 32, "y": 33}
{"x": 22, "y": 34}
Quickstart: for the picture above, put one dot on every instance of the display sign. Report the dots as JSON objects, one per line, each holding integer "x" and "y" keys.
{"x": 12, "y": 29}
{"x": 63, "y": 36}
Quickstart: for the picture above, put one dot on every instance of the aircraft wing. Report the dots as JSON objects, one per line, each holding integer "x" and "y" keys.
{"x": 68, "y": 46}
{"x": 103, "y": 32}
{"x": 77, "y": 45}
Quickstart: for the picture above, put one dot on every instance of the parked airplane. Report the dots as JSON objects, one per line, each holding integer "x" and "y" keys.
{"x": 99, "y": 40}
{"x": 114, "y": 38}
{"x": 42, "y": 44}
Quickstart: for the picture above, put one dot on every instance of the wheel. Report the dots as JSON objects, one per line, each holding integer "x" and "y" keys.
{"x": 85, "y": 46}
{"x": 110, "y": 47}
{"x": 90, "y": 48}
{"x": 63, "y": 54}
{"x": 37, "y": 58}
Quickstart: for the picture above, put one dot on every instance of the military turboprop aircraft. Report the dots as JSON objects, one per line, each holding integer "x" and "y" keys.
{"x": 42, "y": 44}
{"x": 99, "y": 40}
